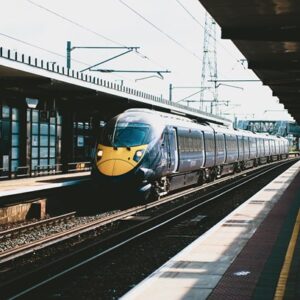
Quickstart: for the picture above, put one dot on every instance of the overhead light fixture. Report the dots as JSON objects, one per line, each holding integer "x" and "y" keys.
{"x": 31, "y": 102}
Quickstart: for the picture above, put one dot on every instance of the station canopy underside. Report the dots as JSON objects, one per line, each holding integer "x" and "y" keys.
{"x": 267, "y": 32}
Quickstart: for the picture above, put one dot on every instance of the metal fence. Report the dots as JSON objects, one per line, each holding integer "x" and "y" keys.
{"x": 43, "y": 170}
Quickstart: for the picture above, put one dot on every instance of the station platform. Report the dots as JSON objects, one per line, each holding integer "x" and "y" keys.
{"x": 253, "y": 253}
{"x": 19, "y": 186}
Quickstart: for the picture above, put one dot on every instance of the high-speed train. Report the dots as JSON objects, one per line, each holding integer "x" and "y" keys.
{"x": 148, "y": 153}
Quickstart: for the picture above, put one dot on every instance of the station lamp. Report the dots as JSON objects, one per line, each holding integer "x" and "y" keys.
{"x": 32, "y": 103}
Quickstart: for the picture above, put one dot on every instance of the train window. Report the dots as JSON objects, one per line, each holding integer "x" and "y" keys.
{"x": 183, "y": 144}
{"x": 267, "y": 146}
{"x": 262, "y": 147}
{"x": 127, "y": 135}
{"x": 231, "y": 143}
{"x": 190, "y": 143}
{"x": 220, "y": 143}
{"x": 187, "y": 145}
{"x": 246, "y": 145}
{"x": 200, "y": 142}
{"x": 210, "y": 145}
{"x": 180, "y": 143}
{"x": 195, "y": 144}
{"x": 241, "y": 144}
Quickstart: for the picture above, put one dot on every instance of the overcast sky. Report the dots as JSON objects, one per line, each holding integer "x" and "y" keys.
{"x": 173, "y": 41}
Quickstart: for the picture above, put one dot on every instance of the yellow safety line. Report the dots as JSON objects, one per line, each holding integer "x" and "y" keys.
{"x": 281, "y": 285}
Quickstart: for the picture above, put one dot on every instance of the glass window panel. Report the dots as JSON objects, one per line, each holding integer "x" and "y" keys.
{"x": 52, "y": 140}
{"x": 59, "y": 146}
{"x": 43, "y": 140}
{"x": 52, "y": 162}
{"x": 34, "y": 163}
{"x": 15, "y": 114}
{"x": 52, "y": 152}
{"x": 15, "y": 127}
{"x": 15, "y": 140}
{"x": 79, "y": 125}
{"x": 35, "y": 140}
{"x": 35, "y": 116}
{"x": 5, "y": 111}
{"x": 43, "y": 162}
{"x": 35, "y": 128}
{"x": 34, "y": 152}
{"x": 52, "y": 120}
{"x": 80, "y": 141}
{"x": 58, "y": 130}
{"x": 44, "y": 128}
{"x": 44, "y": 152}
{"x": 44, "y": 116}
{"x": 28, "y": 115}
{"x": 14, "y": 165}
{"x": 14, "y": 152}
{"x": 52, "y": 129}
{"x": 59, "y": 119}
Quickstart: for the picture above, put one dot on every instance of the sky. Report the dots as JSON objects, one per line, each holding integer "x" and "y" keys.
{"x": 169, "y": 34}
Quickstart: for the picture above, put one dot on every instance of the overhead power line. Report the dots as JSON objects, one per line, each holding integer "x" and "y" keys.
{"x": 49, "y": 51}
{"x": 160, "y": 30}
{"x": 201, "y": 25}
{"x": 73, "y": 22}
{"x": 139, "y": 53}
{"x": 31, "y": 45}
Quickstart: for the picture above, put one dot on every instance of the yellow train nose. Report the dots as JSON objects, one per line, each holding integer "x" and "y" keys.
{"x": 115, "y": 167}
{"x": 119, "y": 160}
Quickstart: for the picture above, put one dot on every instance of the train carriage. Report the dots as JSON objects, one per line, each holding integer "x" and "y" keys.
{"x": 150, "y": 153}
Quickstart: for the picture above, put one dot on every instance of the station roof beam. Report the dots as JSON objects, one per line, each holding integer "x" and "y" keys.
{"x": 267, "y": 34}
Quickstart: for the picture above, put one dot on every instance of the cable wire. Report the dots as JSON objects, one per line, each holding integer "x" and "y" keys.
{"x": 73, "y": 22}
{"x": 199, "y": 23}
{"x": 160, "y": 30}
{"x": 139, "y": 53}
{"x": 51, "y": 52}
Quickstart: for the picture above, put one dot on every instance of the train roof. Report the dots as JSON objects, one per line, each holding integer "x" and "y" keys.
{"x": 159, "y": 113}
{"x": 171, "y": 119}
{"x": 176, "y": 120}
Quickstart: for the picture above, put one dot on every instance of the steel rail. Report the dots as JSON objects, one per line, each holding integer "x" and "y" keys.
{"x": 80, "y": 229}
{"x": 131, "y": 233}
{"x": 22, "y": 228}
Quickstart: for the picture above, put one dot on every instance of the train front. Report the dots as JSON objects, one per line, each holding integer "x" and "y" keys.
{"x": 123, "y": 164}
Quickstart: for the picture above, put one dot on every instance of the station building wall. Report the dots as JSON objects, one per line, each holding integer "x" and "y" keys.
{"x": 45, "y": 139}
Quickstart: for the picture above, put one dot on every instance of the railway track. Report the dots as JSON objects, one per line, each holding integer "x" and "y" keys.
{"x": 9, "y": 233}
{"x": 33, "y": 245}
{"x": 144, "y": 223}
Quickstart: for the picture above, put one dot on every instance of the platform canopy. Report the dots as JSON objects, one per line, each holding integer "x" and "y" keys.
{"x": 267, "y": 32}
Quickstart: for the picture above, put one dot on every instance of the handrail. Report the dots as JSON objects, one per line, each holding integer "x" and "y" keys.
{"x": 4, "y": 176}
{"x": 79, "y": 166}
{"x": 40, "y": 170}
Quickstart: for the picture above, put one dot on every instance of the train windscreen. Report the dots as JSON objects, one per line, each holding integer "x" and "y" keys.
{"x": 126, "y": 134}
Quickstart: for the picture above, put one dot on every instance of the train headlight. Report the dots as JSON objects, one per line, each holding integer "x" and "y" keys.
{"x": 99, "y": 154}
{"x": 138, "y": 154}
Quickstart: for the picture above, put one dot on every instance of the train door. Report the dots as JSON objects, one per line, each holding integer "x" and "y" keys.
{"x": 172, "y": 149}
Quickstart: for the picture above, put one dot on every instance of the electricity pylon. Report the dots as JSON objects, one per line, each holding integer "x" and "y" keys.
{"x": 209, "y": 74}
